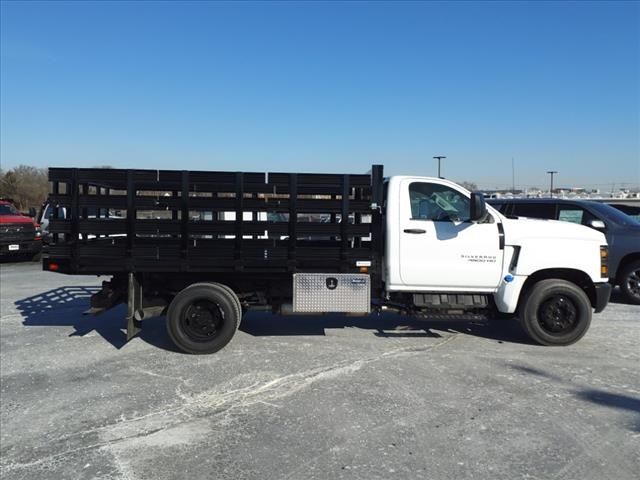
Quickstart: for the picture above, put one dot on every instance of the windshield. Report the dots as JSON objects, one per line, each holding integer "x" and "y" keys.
{"x": 8, "y": 209}
{"x": 613, "y": 214}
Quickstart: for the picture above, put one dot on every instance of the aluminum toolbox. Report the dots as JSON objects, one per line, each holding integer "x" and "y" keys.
{"x": 331, "y": 292}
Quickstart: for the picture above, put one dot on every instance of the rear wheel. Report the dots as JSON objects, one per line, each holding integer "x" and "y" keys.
{"x": 630, "y": 282}
{"x": 556, "y": 312}
{"x": 203, "y": 318}
{"x": 235, "y": 298}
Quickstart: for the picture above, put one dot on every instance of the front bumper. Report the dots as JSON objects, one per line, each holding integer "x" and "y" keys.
{"x": 24, "y": 246}
{"x": 603, "y": 292}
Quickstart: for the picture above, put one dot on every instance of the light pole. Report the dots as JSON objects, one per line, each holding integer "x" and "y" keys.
{"x": 552, "y": 173}
{"x": 439, "y": 157}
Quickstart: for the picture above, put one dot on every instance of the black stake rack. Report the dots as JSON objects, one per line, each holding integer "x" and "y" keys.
{"x": 109, "y": 221}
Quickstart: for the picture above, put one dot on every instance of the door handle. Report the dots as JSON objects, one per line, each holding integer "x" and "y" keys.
{"x": 414, "y": 230}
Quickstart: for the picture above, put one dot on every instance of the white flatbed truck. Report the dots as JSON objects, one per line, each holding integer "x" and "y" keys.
{"x": 316, "y": 243}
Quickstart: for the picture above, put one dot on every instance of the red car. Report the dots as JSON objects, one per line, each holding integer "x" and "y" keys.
{"x": 19, "y": 235}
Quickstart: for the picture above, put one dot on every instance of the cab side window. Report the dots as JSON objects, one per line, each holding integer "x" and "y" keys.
{"x": 430, "y": 201}
{"x": 570, "y": 214}
{"x": 50, "y": 211}
{"x": 535, "y": 210}
{"x": 575, "y": 214}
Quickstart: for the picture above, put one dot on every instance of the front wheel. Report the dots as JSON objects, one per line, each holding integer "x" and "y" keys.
{"x": 630, "y": 282}
{"x": 555, "y": 312}
{"x": 203, "y": 318}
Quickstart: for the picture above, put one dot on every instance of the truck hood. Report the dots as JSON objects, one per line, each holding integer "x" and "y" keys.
{"x": 522, "y": 228}
{"x": 15, "y": 219}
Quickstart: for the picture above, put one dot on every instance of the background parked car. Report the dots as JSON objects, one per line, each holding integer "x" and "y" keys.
{"x": 622, "y": 232}
{"x": 47, "y": 214}
{"x": 630, "y": 210}
{"x": 20, "y": 235}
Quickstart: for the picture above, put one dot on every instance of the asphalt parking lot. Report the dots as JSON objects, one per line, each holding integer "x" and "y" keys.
{"x": 322, "y": 397}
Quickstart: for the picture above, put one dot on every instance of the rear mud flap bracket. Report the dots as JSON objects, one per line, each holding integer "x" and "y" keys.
{"x": 134, "y": 307}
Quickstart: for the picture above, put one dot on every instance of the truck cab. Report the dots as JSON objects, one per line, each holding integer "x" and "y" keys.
{"x": 446, "y": 249}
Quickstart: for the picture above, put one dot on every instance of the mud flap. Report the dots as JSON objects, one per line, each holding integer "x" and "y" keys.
{"x": 134, "y": 307}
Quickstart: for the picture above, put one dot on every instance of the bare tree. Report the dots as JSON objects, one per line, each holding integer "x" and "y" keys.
{"x": 471, "y": 186}
{"x": 27, "y": 186}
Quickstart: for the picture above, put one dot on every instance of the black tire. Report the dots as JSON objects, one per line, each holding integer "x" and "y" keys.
{"x": 235, "y": 297}
{"x": 203, "y": 318}
{"x": 629, "y": 280}
{"x": 555, "y": 312}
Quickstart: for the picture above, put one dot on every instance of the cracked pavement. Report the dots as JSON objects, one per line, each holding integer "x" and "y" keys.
{"x": 307, "y": 397}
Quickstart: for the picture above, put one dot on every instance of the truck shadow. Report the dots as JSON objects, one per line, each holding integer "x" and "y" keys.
{"x": 384, "y": 326}
{"x": 64, "y": 307}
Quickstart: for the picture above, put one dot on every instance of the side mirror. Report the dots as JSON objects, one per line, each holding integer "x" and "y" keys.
{"x": 597, "y": 224}
{"x": 478, "y": 209}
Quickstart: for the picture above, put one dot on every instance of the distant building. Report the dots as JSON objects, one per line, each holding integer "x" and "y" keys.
{"x": 564, "y": 192}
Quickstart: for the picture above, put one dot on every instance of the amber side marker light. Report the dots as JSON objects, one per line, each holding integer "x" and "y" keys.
{"x": 604, "y": 261}
{"x": 364, "y": 269}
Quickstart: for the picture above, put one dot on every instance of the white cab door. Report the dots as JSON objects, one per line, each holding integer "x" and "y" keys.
{"x": 440, "y": 248}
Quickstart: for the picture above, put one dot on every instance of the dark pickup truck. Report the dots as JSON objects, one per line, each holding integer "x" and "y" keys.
{"x": 621, "y": 230}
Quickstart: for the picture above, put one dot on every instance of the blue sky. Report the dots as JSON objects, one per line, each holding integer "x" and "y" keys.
{"x": 326, "y": 87}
